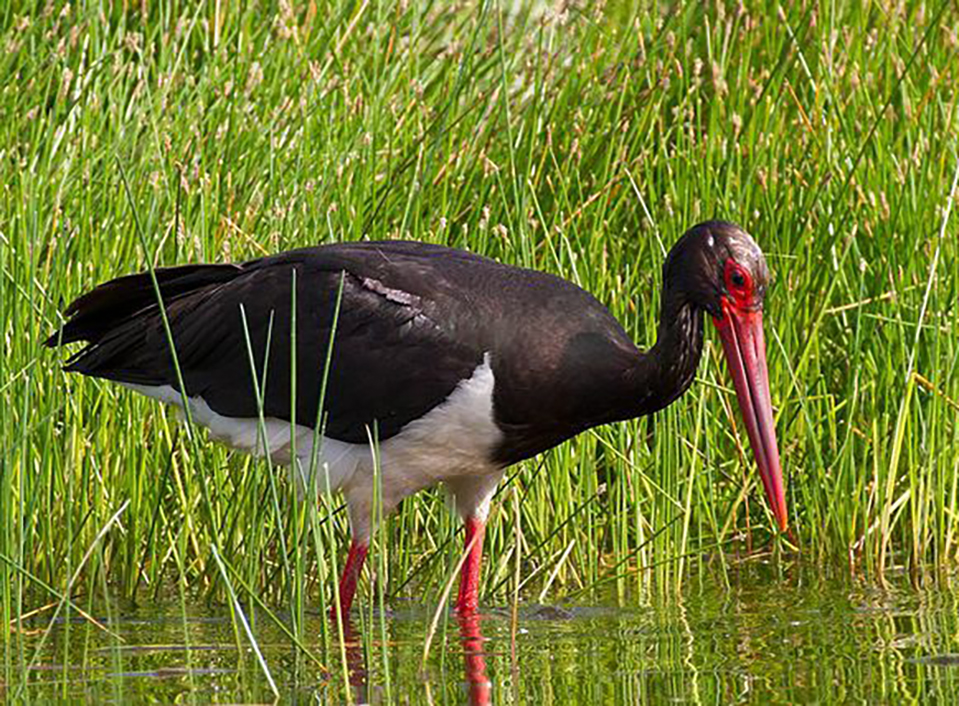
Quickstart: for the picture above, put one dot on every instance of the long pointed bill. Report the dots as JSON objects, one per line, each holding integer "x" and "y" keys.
{"x": 741, "y": 332}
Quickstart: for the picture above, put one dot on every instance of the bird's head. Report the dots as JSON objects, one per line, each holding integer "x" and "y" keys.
{"x": 713, "y": 263}
{"x": 717, "y": 267}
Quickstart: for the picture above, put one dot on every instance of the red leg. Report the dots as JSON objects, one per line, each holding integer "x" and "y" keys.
{"x": 470, "y": 575}
{"x": 351, "y": 574}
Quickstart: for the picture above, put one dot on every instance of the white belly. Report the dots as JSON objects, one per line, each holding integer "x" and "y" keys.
{"x": 452, "y": 442}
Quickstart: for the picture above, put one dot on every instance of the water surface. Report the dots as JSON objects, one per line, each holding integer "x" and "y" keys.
{"x": 757, "y": 639}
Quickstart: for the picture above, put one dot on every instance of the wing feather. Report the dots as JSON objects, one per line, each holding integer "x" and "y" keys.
{"x": 392, "y": 359}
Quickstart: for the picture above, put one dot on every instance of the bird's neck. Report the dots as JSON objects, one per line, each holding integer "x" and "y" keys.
{"x": 602, "y": 378}
{"x": 667, "y": 370}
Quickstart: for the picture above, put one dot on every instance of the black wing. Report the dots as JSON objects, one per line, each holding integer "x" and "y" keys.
{"x": 394, "y": 357}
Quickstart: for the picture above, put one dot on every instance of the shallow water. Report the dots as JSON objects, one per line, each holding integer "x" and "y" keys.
{"x": 760, "y": 639}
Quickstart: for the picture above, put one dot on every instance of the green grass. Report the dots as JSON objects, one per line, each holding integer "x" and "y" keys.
{"x": 581, "y": 142}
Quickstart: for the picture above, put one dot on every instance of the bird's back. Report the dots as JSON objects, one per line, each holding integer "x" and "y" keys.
{"x": 414, "y": 321}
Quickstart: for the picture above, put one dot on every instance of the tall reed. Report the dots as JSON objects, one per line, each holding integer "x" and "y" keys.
{"x": 581, "y": 140}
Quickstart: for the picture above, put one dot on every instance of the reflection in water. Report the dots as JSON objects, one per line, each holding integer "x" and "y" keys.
{"x": 355, "y": 661}
{"x": 763, "y": 637}
{"x": 474, "y": 660}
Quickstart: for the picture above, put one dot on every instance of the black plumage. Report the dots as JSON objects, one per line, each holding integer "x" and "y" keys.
{"x": 415, "y": 319}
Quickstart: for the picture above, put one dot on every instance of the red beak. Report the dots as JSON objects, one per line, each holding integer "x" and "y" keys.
{"x": 741, "y": 331}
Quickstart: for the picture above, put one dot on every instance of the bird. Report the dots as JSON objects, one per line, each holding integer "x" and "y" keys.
{"x": 439, "y": 365}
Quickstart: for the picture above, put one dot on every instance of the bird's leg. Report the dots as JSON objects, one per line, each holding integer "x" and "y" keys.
{"x": 350, "y": 577}
{"x": 470, "y": 574}
{"x": 473, "y": 494}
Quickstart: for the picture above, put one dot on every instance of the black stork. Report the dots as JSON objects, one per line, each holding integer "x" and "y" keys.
{"x": 462, "y": 365}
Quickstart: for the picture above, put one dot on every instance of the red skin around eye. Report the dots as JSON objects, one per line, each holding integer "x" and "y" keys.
{"x": 743, "y": 296}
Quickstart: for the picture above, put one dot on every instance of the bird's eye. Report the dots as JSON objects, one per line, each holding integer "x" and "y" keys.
{"x": 738, "y": 281}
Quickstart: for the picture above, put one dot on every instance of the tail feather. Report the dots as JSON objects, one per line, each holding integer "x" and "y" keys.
{"x": 99, "y": 311}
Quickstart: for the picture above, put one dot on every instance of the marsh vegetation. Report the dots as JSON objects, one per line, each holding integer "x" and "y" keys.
{"x": 581, "y": 139}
